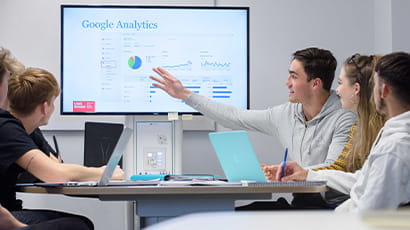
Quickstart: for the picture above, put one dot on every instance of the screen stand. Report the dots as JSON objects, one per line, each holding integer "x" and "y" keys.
{"x": 156, "y": 147}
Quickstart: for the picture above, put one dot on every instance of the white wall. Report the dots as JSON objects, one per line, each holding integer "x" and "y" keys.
{"x": 400, "y": 18}
{"x": 382, "y": 26}
{"x": 278, "y": 28}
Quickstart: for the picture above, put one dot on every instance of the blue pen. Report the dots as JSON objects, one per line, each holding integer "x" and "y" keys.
{"x": 284, "y": 163}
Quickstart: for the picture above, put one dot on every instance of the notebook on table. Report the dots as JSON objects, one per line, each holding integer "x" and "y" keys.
{"x": 239, "y": 160}
{"x": 109, "y": 169}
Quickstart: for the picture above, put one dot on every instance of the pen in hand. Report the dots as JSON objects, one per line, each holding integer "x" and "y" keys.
{"x": 284, "y": 164}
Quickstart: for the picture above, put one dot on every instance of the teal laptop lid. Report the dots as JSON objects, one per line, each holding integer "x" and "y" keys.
{"x": 236, "y": 156}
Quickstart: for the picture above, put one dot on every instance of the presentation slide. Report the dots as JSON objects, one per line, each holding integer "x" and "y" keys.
{"x": 108, "y": 55}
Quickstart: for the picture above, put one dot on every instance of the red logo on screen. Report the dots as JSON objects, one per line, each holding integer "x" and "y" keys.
{"x": 83, "y": 106}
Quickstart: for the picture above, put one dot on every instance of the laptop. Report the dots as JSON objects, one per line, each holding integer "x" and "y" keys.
{"x": 240, "y": 163}
{"x": 109, "y": 170}
{"x": 236, "y": 156}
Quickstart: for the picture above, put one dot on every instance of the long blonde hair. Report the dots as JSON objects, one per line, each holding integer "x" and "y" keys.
{"x": 360, "y": 69}
{"x": 8, "y": 63}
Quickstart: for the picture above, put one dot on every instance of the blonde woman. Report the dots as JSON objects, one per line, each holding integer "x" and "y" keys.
{"x": 355, "y": 91}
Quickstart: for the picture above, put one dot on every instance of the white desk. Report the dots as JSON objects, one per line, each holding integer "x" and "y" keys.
{"x": 157, "y": 203}
{"x": 281, "y": 220}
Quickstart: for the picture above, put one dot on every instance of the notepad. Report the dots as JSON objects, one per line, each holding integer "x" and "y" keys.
{"x": 287, "y": 183}
{"x": 171, "y": 177}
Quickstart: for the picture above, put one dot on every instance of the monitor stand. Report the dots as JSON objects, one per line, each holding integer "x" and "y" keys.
{"x": 156, "y": 147}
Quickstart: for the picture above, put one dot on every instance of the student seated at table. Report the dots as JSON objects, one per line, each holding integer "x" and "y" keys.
{"x": 31, "y": 97}
{"x": 355, "y": 91}
{"x": 383, "y": 182}
{"x": 313, "y": 109}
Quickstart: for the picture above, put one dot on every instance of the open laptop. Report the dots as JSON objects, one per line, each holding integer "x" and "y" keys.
{"x": 240, "y": 163}
{"x": 236, "y": 156}
{"x": 109, "y": 170}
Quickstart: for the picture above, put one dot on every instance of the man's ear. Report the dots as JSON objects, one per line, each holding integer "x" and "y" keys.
{"x": 385, "y": 90}
{"x": 317, "y": 82}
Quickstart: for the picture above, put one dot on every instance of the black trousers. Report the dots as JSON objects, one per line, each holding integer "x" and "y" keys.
{"x": 49, "y": 219}
{"x": 301, "y": 201}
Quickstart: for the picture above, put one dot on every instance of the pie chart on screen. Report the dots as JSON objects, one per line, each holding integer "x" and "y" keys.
{"x": 134, "y": 62}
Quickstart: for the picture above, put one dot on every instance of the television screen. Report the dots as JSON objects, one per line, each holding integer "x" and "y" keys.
{"x": 108, "y": 52}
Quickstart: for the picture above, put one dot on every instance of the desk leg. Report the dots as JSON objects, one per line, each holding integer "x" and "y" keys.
{"x": 153, "y": 209}
{"x": 156, "y": 210}
{"x": 147, "y": 221}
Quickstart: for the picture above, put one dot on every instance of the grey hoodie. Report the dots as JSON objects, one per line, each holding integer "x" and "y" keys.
{"x": 313, "y": 143}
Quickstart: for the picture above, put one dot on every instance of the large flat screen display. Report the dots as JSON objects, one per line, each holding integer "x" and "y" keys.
{"x": 108, "y": 52}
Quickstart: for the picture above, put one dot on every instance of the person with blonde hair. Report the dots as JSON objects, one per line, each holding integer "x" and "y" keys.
{"x": 23, "y": 148}
{"x": 355, "y": 90}
{"x": 8, "y": 66}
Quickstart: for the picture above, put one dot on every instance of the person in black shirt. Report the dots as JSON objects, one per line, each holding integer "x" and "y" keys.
{"x": 14, "y": 143}
{"x": 23, "y": 149}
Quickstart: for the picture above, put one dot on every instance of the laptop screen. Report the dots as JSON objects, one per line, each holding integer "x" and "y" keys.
{"x": 115, "y": 156}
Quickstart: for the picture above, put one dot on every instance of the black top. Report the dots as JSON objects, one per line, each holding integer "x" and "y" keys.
{"x": 14, "y": 143}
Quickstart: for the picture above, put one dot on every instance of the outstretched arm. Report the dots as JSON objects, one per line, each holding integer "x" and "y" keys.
{"x": 170, "y": 84}
{"x": 227, "y": 115}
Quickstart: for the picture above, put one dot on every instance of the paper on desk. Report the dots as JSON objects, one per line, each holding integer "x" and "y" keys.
{"x": 199, "y": 183}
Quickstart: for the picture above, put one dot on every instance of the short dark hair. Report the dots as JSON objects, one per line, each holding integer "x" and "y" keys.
{"x": 318, "y": 63}
{"x": 394, "y": 70}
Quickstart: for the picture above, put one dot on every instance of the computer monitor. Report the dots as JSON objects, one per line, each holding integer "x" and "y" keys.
{"x": 108, "y": 52}
{"x": 100, "y": 139}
